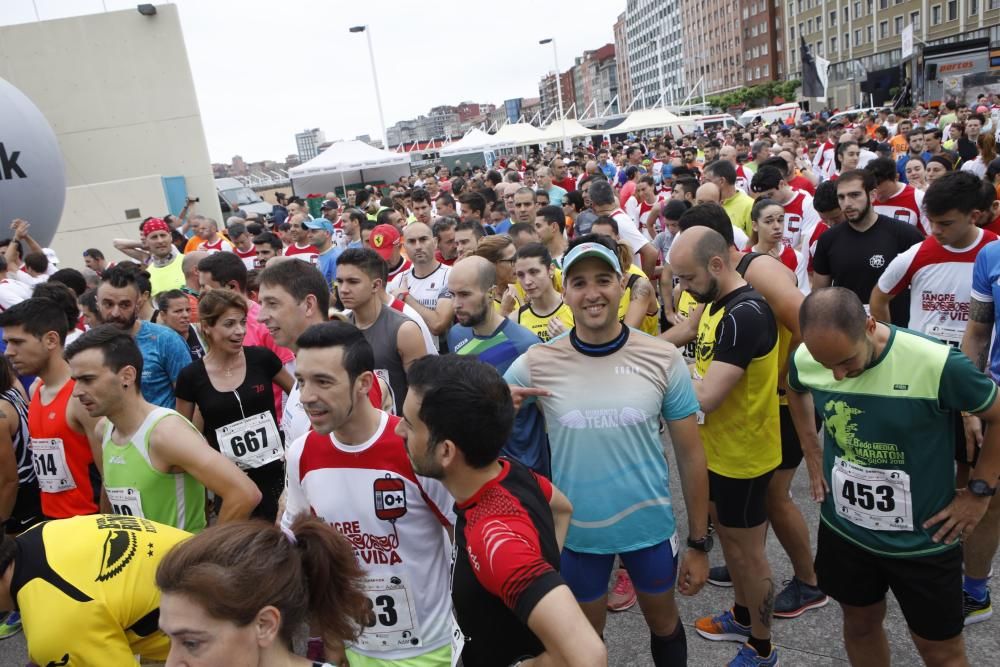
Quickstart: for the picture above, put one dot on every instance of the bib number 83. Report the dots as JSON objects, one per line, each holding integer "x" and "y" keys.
{"x": 251, "y": 441}
{"x": 869, "y": 496}
{"x": 385, "y": 615}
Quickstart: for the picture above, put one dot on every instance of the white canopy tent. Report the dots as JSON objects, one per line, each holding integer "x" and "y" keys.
{"x": 646, "y": 119}
{"x": 554, "y": 131}
{"x": 475, "y": 141}
{"x": 521, "y": 134}
{"x": 348, "y": 162}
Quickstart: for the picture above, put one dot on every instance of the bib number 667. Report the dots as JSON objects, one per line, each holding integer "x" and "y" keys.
{"x": 251, "y": 441}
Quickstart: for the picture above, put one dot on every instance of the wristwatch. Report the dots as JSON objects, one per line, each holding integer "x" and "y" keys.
{"x": 981, "y": 488}
{"x": 703, "y": 544}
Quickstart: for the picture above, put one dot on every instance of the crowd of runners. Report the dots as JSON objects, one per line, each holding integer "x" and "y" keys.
{"x": 429, "y": 424}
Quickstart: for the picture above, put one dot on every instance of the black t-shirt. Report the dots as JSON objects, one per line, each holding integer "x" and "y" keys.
{"x": 251, "y": 398}
{"x": 748, "y": 329}
{"x": 508, "y": 528}
{"x": 856, "y": 260}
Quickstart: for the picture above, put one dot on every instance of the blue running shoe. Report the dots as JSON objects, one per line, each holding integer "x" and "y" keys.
{"x": 11, "y": 625}
{"x": 747, "y": 657}
{"x": 722, "y": 628}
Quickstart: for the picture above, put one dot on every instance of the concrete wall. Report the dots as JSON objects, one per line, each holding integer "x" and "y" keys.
{"x": 117, "y": 89}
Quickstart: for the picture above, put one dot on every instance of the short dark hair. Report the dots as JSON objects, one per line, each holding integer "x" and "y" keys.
{"x": 442, "y": 224}
{"x": 473, "y": 201}
{"x": 466, "y": 401}
{"x": 553, "y": 215}
{"x": 225, "y": 267}
{"x": 934, "y": 132}
{"x": 675, "y": 208}
{"x": 688, "y": 185}
{"x": 956, "y": 190}
{"x": 37, "y": 261}
{"x": 606, "y": 220}
{"x": 601, "y": 193}
{"x": 446, "y": 198}
{"x": 521, "y": 228}
{"x": 119, "y": 349}
{"x": 883, "y": 169}
{"x": 778, "y": 163}
{"x": 419, "y": 194}
{"x": 766, "y": 178}
{"x": 987, "y": 195}
{"x": 358, "y": 355}
{"x": 709, "y": 215}
{"x": 825, "y": 198}
{"x": 536, "y": 250}
{"x": 866, "y": 178}
{"x": 471, "y": 225}
{"x": 37, "y": 316}
{"x": 163, "y": 299}
{"x": 836, "y": 308}
{"x": 300, "y": 279}
{"x": 71, "y": 278}
{"x": 62, "y": 295}
{"x": 126, "y": 274}
{"x": 723, "y": 169}
{"x": 93, "y": 253}
{"x": 267, "y": 238}
{"x": 367, "y": 261}
{"x": 600, "y": 239}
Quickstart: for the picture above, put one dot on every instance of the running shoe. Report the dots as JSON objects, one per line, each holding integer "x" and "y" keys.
{"x": 622, "y": 595}
{"x": 11, "y": 625}
{"x": 798, "y": 597}
{"x": 722, "y": 628}
{"x": 976, "y": 611}
{"x": 748, "y": 657}
{"x": 719, "y": 576}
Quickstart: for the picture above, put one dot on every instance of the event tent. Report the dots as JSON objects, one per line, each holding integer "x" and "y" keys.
{"x": 475, "y": 141}
{"x": 646, "y": 119}
{"x": 522, "y": 134}
{"x": 348, "y": 162}
{"x": 554, "y": 131}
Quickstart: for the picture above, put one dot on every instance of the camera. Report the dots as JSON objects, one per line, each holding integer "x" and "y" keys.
{"x": 193, "y": 200}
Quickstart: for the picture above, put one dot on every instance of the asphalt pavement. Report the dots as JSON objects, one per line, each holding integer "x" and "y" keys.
{"x": 812, "y": 640}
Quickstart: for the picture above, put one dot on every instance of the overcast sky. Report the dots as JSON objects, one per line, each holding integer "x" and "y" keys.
{"x": 265, "y": 70}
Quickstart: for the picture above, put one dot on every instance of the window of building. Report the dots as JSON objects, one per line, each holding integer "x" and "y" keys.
{"x": 973, "y": 7}
{"x": 857, "y": 38}
{"x": 809, "y": 26}
{"x": 819, "y": 22}
{"x": 756, "y": 72}
{"x": 767, "y": 70}
{"x": 915, "y": 19}
{"x": 819, "y": 48}
{"x": 833, "y": 44}
{"x": 883, "y": 29}
{"x": 871, "y": 33}
{"x": 857, "y": 9}
{"x": 763, "y": 28}
{"x": 763, "y": 49}
{"x": 791, "y": 30}
{"x": 935, "y": 14}
{"x": 833, "y": 18}
{"x": 870, "y": 5}
{"x": 791, "y": 9}
{"x": 897, "y": 24}
{"x": 777, "y": 42}
{"x": 952, "y": 10}
{"x": 846, "y": 43}
{"x": 777, "y": 23}
{"x": 883, "y": 4}
{"x": 847, "y": 14}
{"x": 746, "y": 13}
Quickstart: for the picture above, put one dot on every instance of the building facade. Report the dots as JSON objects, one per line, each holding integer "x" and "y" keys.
{"x": 549, "y": 96}
{"x": 622, "y": 64}
{"x": 862, "y": 39}
{"x": 762, "y": 41}
{"x": 713, "y": 49}
{"x": 307, "y": 143}
{"x": 653, "y": 40}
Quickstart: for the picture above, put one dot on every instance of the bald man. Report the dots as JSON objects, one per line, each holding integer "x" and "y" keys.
{"x": 424, "y": 286}
{"x": 707, "y": 193}
{"x": 736, "y": 383}
{"x": 192, "y": 281}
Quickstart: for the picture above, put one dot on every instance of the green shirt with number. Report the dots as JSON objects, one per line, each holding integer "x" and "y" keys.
{"x": 136, "y": 488}
{"x": 889, "y": 439}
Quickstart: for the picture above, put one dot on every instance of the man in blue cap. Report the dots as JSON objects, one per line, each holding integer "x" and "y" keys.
{"x": 320, "y": 234}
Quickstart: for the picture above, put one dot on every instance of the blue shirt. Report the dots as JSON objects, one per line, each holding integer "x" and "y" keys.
{"x": 326, "y": 262}
{"x": 556, "y": 194}
{"x": 164, "y": 355}
{"x": 502, "y": 226}
{"x": 986, "y": 288}
{"x": 528, "y": 444}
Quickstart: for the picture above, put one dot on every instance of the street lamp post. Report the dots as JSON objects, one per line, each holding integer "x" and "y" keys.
{"x": 378, "y": 95}
{"x": 555, "y": 60}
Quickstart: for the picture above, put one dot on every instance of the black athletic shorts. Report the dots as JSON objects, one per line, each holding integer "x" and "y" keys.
{"x": 928, "y": 588}
{"x": 739, "y": 503}
{"x": 27, "y": 510}
{"x": 961, "y": 456}
{"x": 791, "y": 448}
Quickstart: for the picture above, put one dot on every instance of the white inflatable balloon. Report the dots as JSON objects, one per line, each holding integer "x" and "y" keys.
{"x": 32, "y": 172}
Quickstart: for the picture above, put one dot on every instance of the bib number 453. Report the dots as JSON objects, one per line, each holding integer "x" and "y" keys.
{"x": 869, "y": 496}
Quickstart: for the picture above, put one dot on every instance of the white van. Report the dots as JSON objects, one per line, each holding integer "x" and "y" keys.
{"x": 707, "y": 124}
{"x": 232, "y": 191}
{"x": 773, "y": 114}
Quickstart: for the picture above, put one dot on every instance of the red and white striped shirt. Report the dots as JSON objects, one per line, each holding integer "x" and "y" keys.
{"x": 906, "y": 206}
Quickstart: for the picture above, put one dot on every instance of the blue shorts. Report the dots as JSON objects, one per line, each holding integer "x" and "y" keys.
{"x": 652, "y": 571}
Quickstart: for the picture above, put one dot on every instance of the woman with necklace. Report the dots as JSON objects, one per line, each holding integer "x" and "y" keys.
{"x": 768, "y": 218}
{"x": 231, "y": 387}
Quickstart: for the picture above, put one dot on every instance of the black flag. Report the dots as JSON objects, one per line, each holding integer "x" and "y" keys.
{"x": 812, "y": 83}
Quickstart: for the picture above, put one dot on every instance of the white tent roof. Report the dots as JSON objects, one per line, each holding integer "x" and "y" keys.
{"x": 554, "y": 131}
{"x": 645, "y": 119}
{"x": 348, "y": 156}
{"x": 474, "y": 141}
{"x": 521, "y": 134}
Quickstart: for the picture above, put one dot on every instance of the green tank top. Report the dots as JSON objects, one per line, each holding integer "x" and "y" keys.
{"x": 168, "y": 277}
{"x": 136, "y": 488}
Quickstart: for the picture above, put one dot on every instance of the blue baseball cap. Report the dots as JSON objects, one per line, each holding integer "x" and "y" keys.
{"x": 319, "y": 223}
{"x": 595, "y": 250}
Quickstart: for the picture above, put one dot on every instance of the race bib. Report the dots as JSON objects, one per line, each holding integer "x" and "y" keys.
{"x": 251, "y": 442}
{"x": 947, "y": 334}
{"x": 873, "y": 498}
{"x": 457, "y": 641}
{"x": 392, "y": 618}
{"x": 49, "y": 458}
{"x": 125, "y": 501}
